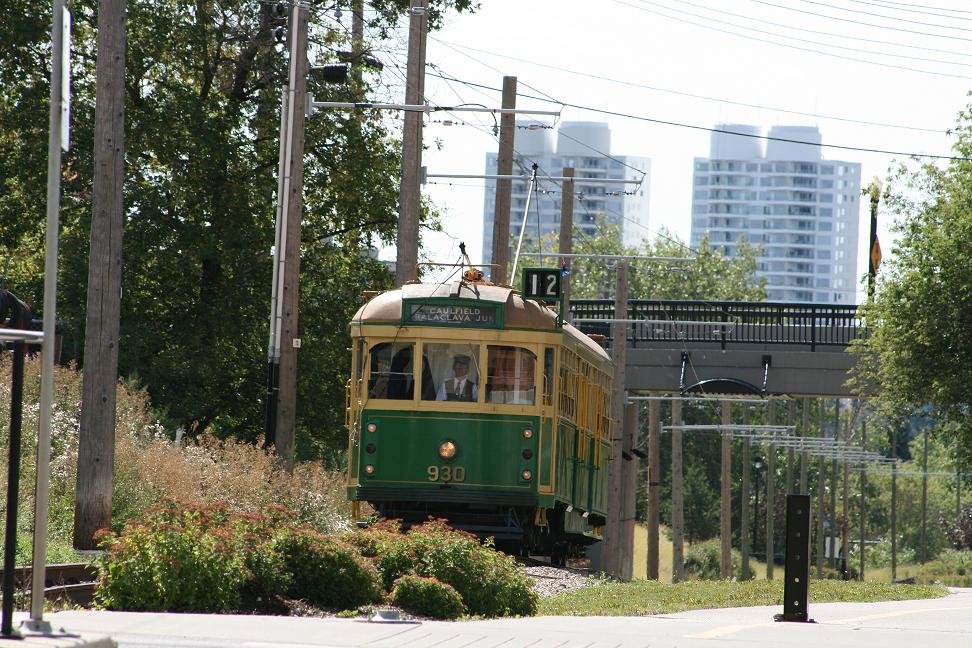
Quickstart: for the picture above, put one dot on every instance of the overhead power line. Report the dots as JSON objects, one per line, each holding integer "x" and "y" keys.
{"x": 885, "y": 16}
{"x": 912, "y": 7}
{"x": 862, "y": 23}
{"x": 599, "y": 77}
{"x": 856, "y": 38}
{"x": 664, "y": 122}
{"x": 796, "y": 47}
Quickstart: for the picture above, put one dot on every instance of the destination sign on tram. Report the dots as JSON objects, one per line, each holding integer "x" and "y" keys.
{"x": 451, "y": 314}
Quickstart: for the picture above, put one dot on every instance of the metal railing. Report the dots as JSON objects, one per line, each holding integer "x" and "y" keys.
{"x": 726, "y": 322}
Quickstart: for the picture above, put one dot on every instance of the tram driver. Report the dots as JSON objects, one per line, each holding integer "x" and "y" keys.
{"x": 460, "y": 387}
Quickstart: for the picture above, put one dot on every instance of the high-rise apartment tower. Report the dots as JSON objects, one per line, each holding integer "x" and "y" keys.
{"x": 585, "y": 146}
{"x": 782, "y": 196}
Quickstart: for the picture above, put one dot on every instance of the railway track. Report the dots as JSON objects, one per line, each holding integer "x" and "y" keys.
{"x": 70, "y": 584}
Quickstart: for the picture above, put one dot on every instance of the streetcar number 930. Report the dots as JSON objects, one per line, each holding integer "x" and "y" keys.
{"x": 446, "y": 473}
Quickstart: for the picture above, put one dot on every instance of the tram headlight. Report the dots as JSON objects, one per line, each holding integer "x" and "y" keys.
{"x": 372, "y": 427}
{"x": 526, "y": 475}
{"x": 528, "y": 433}
{"x": 370, "y": 469}
{"x": 447, "y": 450}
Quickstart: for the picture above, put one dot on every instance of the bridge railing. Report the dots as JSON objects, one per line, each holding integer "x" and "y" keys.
{"x": 724, "y": 323}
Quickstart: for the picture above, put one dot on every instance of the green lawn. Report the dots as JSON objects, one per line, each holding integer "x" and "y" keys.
{"x": 639, "y": 597}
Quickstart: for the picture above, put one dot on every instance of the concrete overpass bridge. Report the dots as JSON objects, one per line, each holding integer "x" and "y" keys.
{"x": 759, "y": 348}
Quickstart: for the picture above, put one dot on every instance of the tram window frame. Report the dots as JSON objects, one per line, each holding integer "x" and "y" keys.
{"x": 516, "y": 395}
{"x": 548, "y": 375}
{"x": 402, "y": 389}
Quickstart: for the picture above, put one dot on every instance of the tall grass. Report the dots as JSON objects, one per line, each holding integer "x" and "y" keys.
{"x": 150, "y": 466}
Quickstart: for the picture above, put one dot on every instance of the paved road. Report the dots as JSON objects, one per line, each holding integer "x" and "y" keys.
{"x": 939, "y": 623}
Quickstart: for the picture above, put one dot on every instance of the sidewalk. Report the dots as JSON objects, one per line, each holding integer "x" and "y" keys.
{"x": 58, "y": 637}
{"x": 893, "y": 624}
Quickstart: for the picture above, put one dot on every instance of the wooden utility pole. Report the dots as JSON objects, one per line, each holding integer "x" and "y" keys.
{"x": 654, "y": 486}
{"x": 610, "y": 555}
{"x": 566, "y": 232}
{"x": 96, "y": 441}
{"x": 630, "y": 491}
{"x": 357, "y": 48}
{"x": 409, "y": 195}
{"x": 725, "y": 509}
{"x": 678, "y": 497}
{"x": 289, "y": 295}
{"x": 504, "y": 188}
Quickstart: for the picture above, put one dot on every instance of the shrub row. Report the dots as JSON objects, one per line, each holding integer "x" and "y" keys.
{"x": 192, "y": 558}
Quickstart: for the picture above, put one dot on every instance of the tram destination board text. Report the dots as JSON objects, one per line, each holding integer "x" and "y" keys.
{"x": 451, "y": 314}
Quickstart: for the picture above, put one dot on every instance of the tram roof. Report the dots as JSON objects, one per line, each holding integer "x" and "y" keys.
{"x": 517, "y": 312}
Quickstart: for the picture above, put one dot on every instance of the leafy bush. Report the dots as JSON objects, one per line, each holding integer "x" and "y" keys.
{"x": 488, "y": 581}
{"x": 703, "y": 560}
{"x": 427, "y": 597}
{"x": 327, "y": 572}
{"x": 174, "y": 561}
{"x": 191, "y": 558}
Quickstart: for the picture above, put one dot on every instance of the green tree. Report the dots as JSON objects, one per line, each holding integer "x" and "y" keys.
{"x": 711, "y": 275}
{"x": 919, "y": 351}
{"x": 203, "y": 90}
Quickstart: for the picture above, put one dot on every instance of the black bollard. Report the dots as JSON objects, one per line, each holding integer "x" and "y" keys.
{"x": 797, "y": 583}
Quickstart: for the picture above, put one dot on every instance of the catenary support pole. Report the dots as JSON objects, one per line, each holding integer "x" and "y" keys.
{"x": 863, "y": 485}
{"x": 654, "y": 487}
{"x": 409, "y": 195}
{"x": 612, "y": 531}
{"x": 770, "y": 550}
{"x": 566, "y": 243}
{"x": 504, "y": 188}
{"x": 745, "y": 509}
{"x": 678, "y": 498}
{"x": 924, "y": 500}
{"x": 630, "y": 489}
{"x": 833, "y": 492}
{"x": 894, "y": 504}
{"x": 289, "y": 293}
{"x": 725, "y": 498}
{"x": 805, "y": 456}
{"x": 821, "y": 466}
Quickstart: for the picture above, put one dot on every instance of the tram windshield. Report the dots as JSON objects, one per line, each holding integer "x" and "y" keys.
{"x": 450, "y": 372}
{"x": 391, "y": 371}
{"x": 510, "y": 375}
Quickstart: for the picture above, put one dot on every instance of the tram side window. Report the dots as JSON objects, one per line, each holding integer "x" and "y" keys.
{"x": 510, "y": 375}
{"x": 391, "y": 374}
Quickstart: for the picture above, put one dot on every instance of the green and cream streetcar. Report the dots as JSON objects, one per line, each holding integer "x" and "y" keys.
{"x": 471, "y": 403}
